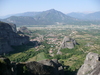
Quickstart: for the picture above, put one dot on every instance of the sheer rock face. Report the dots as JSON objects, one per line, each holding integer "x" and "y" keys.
{"x": 4, "y": 46}
{"x": 9, "y": 37}
{"x": 13, "y": 26}
{"x": 68, "y": 43}
{"x": 91, "y": 65}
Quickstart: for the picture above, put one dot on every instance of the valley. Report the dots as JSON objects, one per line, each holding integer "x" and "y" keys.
{"x": 49, "y": 37}
{"x": 48, "y": 40}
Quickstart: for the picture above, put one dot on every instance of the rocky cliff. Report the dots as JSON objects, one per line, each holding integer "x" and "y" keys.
{"x": 13, "y": 26}
{"x": 9, "y": 37}
{"x": 91, "y": 65}
{"x": 50, "y": 67}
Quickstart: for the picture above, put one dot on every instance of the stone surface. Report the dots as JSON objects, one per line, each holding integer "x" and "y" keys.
{"x": 67, "y": 43}
{"x": 44, "y": 67}
{"x": 91, "y": 65}
{"x": 9, "y": 37}
{"x": 13, "y": 26}
{"x": 39, "y": 69}
{"x": 5, "y": 66}
{"x": 24, "y": 30}
{"x": 58, "y": 68}
{"x": 4, "y": 46}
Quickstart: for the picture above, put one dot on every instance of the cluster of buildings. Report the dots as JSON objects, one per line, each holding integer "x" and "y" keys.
{"x": 51, "y": 39}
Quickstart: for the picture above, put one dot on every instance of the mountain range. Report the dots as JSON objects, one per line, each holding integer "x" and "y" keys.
{"x": 51, "y": 17}
{"x": 91, "y": 16}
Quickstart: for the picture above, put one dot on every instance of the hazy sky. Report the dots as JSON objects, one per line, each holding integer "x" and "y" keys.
{"x": 66, "y": 6}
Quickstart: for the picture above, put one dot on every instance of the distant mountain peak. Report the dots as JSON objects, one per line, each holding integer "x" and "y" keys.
{"x": 52, "y": 10}
{"x": 48, "y": 17}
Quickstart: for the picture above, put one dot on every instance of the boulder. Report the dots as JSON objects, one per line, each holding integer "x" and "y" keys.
{"x": 91, "y": 65}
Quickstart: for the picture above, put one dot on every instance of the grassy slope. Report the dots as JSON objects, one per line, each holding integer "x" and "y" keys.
{"x": 38, "y": 57}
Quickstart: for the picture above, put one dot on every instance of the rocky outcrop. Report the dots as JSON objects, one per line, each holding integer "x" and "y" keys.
{"x": 30, "y": 68}
{"x": 36, "y": 68}
{"x": 5, "y": 66}
{"x": 13, "y": 26}
{"x": 57, "y": 67}
{"x": 9, "y": 37}
{"x": 24, "y": 30}
{"x": 67, "y": 43}
{"x": 91, "y": 65}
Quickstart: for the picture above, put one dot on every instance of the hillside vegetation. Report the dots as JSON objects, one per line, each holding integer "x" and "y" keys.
{"x": 50, "y": 38}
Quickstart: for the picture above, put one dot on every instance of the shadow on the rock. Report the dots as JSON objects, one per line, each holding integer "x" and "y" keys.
{"x": 24, "y": 47}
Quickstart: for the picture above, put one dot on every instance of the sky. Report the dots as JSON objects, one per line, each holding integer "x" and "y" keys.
{"x": 66, "y": 6}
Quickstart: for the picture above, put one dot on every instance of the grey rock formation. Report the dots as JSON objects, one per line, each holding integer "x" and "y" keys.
{"x": 24, "y": 30}
{"x": 58, "y": 68}
{"x": 67, "y": 43}
{"x": 91, "y": 65}
{"x": 36, "y": 68}
{"x": 13, "y": 26}
{"x": 30, "y": 68}
{"x": 5, "y": 66}
{"x": 9, "y": 37}
{"x": 4, "y": 46}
